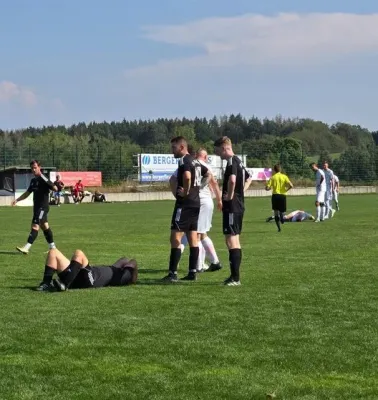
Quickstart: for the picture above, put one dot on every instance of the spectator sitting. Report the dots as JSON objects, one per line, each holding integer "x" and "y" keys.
{"x": 98, "y": 197}
{"x": 78, "y": 192}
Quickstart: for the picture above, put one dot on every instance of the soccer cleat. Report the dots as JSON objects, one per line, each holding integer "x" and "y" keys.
{"x": 23, "y": 250}
{"x": 317, "y": 220}
{"x": 214, "y": 267}
{"x": 228, "y": 280}
{"x": 233, "y": 283}
{"x": 59, "y": 286}
{"x": 205, "y": 267}
{"x": 44, "y": 287}
{"x": 190, "y": 277}
{"x": 332, "y": 213}
{"x": 170, "y": 278}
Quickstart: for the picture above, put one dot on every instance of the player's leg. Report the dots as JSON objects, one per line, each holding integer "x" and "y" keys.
{"x": 56, "y": 261}
{"x": 326, "y": 205}
{"x": 201, "y": 254}
{"x": 282, "y": 207}
{"x": 44, "y": 224}
{"x": 275, "y": 208}
{"x": 232, "y": 227}
{"x": 203, "y": 226}
{"x": 336, "y": 199}
{"x": 33, "y": 232}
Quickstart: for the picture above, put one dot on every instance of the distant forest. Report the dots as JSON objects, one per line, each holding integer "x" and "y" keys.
{"x": 111, "y": 146}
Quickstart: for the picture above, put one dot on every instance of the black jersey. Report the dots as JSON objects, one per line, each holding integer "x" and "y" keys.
{"x": 40, "y": 186}
{"x": 235, "y": 167}
{"x": 197, "y": 171}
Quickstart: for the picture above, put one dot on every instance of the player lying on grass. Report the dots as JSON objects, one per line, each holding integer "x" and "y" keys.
{"x": 77, "y": 273}
{"x": 295, "y": 216}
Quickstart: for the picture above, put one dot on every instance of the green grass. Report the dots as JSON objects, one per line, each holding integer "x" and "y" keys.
{"x": 303, "y": 323}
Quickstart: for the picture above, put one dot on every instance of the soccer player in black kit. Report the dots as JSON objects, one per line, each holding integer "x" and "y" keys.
{"x": 77, "y": 273}
{"x": 40, "y": 186}
{"x": 186, "y": 211}
{"x": 236, "y": 181}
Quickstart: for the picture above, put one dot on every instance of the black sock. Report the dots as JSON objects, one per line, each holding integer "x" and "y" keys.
{"x": 174, "y": 260}
{"x": 235, "y": 257}
{"x": 277, "y": 219}
{"x": 32, "y": 236}
{"x": 48, "y": 274}
{"x": 48, "y": 235}
{"x": 193, "y": 259}
{"x": 282, "y": 217}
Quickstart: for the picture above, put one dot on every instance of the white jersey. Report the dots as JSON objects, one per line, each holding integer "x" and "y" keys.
{"x": 329, "y": 177}
{"x": 320, "y": 187}
{"x": 205, "y": 191}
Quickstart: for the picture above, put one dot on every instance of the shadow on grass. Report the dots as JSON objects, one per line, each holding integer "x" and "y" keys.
{"x": 151, "y": 271}
{"x": 160, "y": 282}
{"x": 11, "y": 252}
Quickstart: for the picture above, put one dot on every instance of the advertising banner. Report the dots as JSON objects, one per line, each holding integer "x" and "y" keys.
{"x": 88, "y": 178}
{"x": 260, "y": 174}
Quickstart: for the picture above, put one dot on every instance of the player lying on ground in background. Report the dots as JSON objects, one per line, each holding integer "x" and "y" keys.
{"x": 295, "y": 216}
{"x": 98, "y": 197}
{"x": 77, "y": 273}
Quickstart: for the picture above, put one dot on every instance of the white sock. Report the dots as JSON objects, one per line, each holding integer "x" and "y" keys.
{"x": 27, "y": 246}
{"x": 52, "y": 245}
{"x": 210, "y": 250}
{"x": 318, "y": 212}
{"x": 321, "y": 213}
{"x": 201, "y": 256}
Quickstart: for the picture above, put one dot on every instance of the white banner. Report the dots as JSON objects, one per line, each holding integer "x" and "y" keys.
{"x": 160, "y": 167}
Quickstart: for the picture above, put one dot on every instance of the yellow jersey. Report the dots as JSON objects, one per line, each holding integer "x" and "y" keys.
{"x": 279, "y": 183}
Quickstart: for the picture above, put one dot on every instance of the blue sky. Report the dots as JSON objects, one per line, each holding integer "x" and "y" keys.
{"x": 70, "y": 61}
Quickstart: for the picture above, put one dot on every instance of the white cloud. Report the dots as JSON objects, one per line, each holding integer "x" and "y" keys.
{"x": 10, "y": 91}
{"x": 258, "y": 40}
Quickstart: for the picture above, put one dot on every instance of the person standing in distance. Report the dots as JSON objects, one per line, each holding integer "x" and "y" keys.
{"x": 236, "y": 181}
{"x": 280, "y": 184}
{"x": 336, "y": 188}
{"x": 185, "y": 214}
{"x": 330, "y": 183}
{"x": 40, "y": 186}
{"x": 320, "y": 192}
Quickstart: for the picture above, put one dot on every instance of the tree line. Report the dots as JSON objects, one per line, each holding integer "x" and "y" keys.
{"x": 111, "y": 146}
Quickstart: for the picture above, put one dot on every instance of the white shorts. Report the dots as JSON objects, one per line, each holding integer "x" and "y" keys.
{"x": 205, "y": 215}
{"x": 320, "y": 196}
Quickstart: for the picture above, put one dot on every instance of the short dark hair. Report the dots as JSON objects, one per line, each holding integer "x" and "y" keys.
{"x": 191, "y": 150}
{"x": 277, "y": 168}
{"x": 32, "y": 162}
{"x": 179, "y": 139}
{"x": 312, "y": 164}
{"x": 222, "y": 141}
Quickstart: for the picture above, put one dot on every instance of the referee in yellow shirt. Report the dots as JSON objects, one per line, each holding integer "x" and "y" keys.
{"x": 280, "y": 184}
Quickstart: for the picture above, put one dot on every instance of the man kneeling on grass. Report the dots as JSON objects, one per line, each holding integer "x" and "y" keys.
{"x": 78, "y": 274}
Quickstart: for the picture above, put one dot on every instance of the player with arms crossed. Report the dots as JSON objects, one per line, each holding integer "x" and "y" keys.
{"x": 330, "y": 183}
{"x": 280, "y": 184}
{"x": 236, "y": 181}
{"x": 186, "y": 211}
{"x": 40, "y": 186}
{"x": 78, "y": 274}
{"x": 320, "y": 192}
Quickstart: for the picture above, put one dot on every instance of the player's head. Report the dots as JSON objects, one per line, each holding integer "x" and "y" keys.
{"x": 314, "y": 166}
{"x": 58, "y": 177}
{"x": 325, "y": 164}
{"x": 35, "y": 166}
{"x": 179, "y": 146}
{"x": 223, "y": 147}
{"x": 201, "y": 154}
{"x": 191, "y": 150}
{"x": 277, "y": 168}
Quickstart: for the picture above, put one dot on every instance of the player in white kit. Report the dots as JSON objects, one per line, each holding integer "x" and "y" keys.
{"x": 320, "y": 192}
{"x": 207, "y": 189}
{"x": 336, "y": 191}
{"x": 329, "y": 178}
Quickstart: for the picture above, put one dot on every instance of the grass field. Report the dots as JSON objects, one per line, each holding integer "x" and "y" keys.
{"x": 302, "y": 325}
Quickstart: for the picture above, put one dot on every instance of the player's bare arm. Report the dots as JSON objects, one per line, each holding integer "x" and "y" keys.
{"x": 289, "y": 186}
{"x": 230, "y": 188}
{"x": 22, "y": 197}
{"x": 248, "y": 184}
{"x": 184, "y": 191}
{"x": 214, "y": 187}
{"x": 173, "y": 184}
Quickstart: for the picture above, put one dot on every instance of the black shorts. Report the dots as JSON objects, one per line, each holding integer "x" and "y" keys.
{"x": 185, "y": 219}
{"x": 232, "y": 223}
{"x": 93, "y": 277}
{"x": 279, "y": 202}
{"x": 40, "y": 215}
